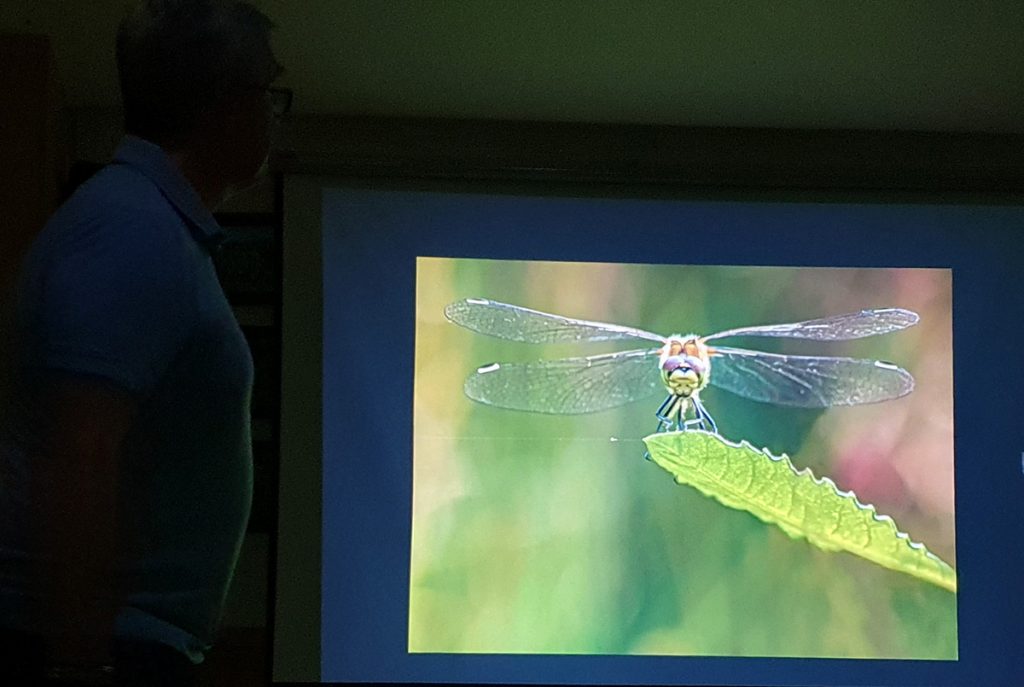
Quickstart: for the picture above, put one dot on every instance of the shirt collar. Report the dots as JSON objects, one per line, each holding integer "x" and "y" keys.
{"x": 152, "y": 161}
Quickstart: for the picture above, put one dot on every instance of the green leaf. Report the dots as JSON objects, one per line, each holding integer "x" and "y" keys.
{"x": 802, "y": 505}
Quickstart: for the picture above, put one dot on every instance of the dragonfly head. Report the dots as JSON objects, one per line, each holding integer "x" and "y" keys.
{"x": 684, "y": 365}
{"x": 683, "y": 374}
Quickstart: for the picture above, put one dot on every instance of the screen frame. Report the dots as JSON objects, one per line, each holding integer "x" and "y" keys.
{"x": 556, "y": 159}
{"x": 652, "y": 156}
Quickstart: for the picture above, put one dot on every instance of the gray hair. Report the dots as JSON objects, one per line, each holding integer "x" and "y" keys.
{"x": 177, "y": 59}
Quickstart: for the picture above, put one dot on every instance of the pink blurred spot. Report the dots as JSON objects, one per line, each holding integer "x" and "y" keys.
{"x": 867, "y": 471}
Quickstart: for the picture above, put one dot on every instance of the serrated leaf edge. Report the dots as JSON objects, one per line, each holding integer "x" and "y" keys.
{"x": 849, "y": 495}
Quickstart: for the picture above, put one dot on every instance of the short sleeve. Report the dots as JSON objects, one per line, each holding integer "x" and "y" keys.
{"x": 117, "y": 298}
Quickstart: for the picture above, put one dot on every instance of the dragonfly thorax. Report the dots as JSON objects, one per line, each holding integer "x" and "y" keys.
{"x": 684, "y": 365}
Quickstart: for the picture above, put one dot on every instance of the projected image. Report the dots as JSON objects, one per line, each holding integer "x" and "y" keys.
{"x": 682, "y": 460}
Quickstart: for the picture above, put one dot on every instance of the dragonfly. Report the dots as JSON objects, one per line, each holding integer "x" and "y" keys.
{"x": 680, "y": 365}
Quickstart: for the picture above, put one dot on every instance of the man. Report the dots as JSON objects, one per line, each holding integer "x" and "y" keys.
{"x": 125, "y": 459}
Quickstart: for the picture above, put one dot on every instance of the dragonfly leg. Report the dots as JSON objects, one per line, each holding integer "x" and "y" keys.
{"x": 693, "y": 423}
{"x": 666, "y": 413}
{"x": 672, "y": 415}
{"x": 704, "y": 419}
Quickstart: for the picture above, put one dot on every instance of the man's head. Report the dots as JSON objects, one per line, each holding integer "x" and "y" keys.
{"x": 194, "y": 76}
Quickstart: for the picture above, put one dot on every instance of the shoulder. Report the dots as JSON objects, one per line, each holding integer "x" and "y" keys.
{"x": 117, "y": 211}
{"x": 118, "y": 193}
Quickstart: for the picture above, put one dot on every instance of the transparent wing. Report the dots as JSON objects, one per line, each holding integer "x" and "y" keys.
{"x": 853, "y": 325}
{"x": 569, "y": 386}
{"x": 532, "y": 326}
{"x": 807, "y": 381}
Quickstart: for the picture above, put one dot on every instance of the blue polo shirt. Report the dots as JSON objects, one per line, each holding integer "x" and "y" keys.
{"x": 121, "y": 285}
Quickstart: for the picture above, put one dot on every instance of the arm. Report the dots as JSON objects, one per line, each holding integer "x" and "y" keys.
{"x": 114, "y": 300}
{"x": 83, "y": 421}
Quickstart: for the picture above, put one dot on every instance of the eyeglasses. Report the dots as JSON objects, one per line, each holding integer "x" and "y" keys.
{"x": 280, "y": 100}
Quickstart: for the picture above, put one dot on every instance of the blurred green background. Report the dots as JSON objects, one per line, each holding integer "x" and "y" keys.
{"x": 551, "y": 534}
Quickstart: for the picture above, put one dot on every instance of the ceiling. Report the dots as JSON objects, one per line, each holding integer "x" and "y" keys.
{"x": 940, "y": 65}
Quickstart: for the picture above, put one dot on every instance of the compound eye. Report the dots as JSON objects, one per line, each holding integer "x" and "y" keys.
{"x": 683, "y": 363}
{"x": 676, "y": 363}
